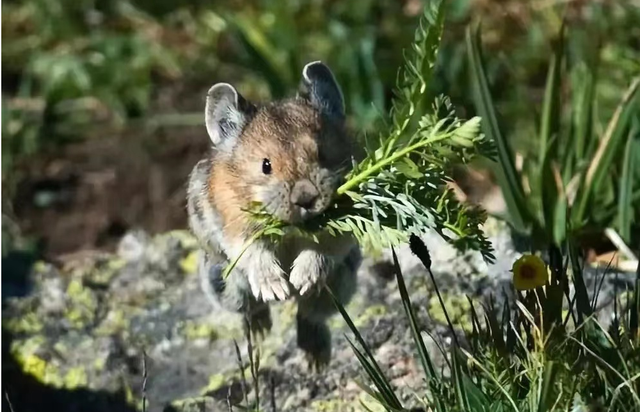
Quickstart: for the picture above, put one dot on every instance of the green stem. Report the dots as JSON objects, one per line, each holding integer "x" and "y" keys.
{"x": 252, "y": 239}
{"x": 364, "y": 175}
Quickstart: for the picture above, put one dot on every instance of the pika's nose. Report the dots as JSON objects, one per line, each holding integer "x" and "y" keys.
{"x": 304, "y": 194}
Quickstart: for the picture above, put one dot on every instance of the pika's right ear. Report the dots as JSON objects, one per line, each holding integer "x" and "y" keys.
{"x": 226, "y": 113}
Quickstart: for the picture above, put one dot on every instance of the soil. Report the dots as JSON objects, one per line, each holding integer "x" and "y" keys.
{"x": 86, "y": 195}
{"x": 89, "y": 194}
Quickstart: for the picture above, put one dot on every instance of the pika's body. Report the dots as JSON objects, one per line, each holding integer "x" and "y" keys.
{"x": 290, "y": 156}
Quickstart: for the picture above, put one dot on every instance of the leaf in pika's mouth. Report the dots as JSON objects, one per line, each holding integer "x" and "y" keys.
{"x": 399, "y": 187}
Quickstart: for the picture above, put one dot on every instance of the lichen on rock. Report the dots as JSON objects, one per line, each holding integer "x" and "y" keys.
{"x": 92, "y": 321}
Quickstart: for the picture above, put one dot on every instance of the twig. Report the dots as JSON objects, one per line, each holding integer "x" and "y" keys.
{"x": 608, "y": 135}
{"x": 229, "y": 399}
{"x": 619, "y": 243}
{"x": 243, "y": 379}
{"x": 254, "y": 365}
{"x": 272, "y": 388}
{"x": 144, "y": 381}
{"x": 6, "y": 395}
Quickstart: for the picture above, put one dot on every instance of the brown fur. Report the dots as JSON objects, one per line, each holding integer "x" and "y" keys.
{"x": 286, "y": 133}
{"x": 310, "y": 152}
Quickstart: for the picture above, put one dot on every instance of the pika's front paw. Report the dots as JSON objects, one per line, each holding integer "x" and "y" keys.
{"x": 269, "y": 283}
{"x": 309, "y": 270}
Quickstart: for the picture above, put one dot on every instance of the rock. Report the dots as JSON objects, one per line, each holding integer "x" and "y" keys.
{"x": 132, "y": 246}
{"x": 111, "y": 321}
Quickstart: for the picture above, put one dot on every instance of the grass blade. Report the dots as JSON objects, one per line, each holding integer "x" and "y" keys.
{"x": 259, "y": 54}
{"x": 375, "y": 368}
{"x": 458, "y": 379}
{"x": 379, "y": 380}
{"x": 581, "y": 294}
{"x": 495, "y": 328}
{"x": 546, "y": 393}
{"x": 625, "y": 210}
{"x": 507, "y": 174}
{"x": 550, "y": 124}
{"x": 425, "y": 359}
{"x": 554, "y": 201}
{"x": 583, "y": 113}
{"x": 495, "y": 381}
{"x": 605, "y": 155}
{"x": 635, "y": 309}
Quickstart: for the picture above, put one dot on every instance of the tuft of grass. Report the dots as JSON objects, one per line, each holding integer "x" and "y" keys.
{"x": 535, "y": 357}
{"x": 577, "y": 187}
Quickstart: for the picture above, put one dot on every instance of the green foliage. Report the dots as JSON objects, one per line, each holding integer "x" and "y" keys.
{"x": 77, "y": 66}
{"x": 532, "y": 357}
{"x": 576, "y": 185}
{"x": 399, "y": 187}
{"x": 84, "y": 69}
{"x": 276, "y": 38}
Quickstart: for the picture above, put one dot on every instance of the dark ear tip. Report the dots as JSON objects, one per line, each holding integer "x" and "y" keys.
{"x": 316, "y": 70}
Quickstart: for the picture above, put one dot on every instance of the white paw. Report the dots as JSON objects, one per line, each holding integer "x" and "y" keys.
{"x": 309, "y": 270}
{"x": 268, "y": 282}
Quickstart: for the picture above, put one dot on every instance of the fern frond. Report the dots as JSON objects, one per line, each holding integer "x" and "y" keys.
{"x": 399, "y": 187}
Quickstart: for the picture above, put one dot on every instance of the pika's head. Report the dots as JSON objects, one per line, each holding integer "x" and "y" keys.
{"x": 289, "y": 155}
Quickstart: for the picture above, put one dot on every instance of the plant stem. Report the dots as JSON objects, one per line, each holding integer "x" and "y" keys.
{"x": 362, "y": 176}
{"x": 248, "y": 243}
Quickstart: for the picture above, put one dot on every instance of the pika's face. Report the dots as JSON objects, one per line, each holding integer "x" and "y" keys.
{"x": 292, "y": 159}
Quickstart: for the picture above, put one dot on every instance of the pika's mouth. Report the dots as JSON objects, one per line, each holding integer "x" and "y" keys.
{"x": 301, "y": 215}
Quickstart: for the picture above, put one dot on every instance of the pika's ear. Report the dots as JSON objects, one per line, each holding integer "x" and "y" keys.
{"x": 320, "y": 87}
{"x": 226, "y": 113}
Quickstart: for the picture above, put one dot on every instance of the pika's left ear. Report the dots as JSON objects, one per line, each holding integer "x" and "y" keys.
{"x": 320, "y": 87}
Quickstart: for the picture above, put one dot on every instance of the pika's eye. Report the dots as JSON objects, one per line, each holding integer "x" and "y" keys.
{"x": 266, "y": 166}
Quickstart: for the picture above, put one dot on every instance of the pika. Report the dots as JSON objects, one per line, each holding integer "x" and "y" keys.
{"x": 290, "y": 155}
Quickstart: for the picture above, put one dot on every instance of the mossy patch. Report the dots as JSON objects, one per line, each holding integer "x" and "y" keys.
{"x": 189, "y": 264}
{"x": 197, "y": 404}
{"x": 216, "y": 382}
{"x": 370, "y": 403}
{"x": 99, "y": 364}
{"x": 494, "y": 227}
{"x": 115, "y": 322}
{"x": 186, "y": 239}
{"x": 27, "y": 356}
{"x": 42, "y": 370}
{"x": 41, "y": 267}
{"x": 192, "y": 330}
{"x": 370, "y": 313}
{"x": 75, "y": 378}
{"x": 82, "y": 304}
{"x": 28, "y": 323}
{"x": 103, "y": 271}
{"x": 458, "y": 308}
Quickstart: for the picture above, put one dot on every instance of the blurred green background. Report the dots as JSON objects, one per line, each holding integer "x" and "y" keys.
{"x": 102, "y": 100}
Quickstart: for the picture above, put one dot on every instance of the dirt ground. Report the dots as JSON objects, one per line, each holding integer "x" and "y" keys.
{"x": 90, "y": 193}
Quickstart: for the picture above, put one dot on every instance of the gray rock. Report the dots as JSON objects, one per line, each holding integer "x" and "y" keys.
{"x": 92, "y": 325}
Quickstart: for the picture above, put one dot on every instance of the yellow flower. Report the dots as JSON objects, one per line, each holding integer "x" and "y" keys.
{"x": 529, "y": 272}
